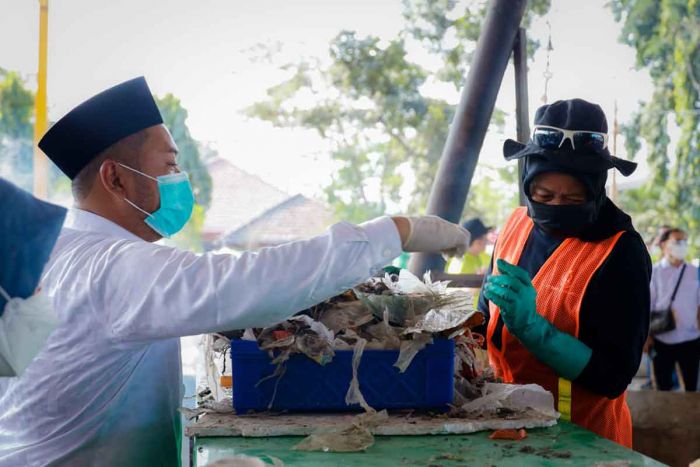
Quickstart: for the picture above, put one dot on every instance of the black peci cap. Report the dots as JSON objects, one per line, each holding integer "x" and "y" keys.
{"x": 99, "y": 122}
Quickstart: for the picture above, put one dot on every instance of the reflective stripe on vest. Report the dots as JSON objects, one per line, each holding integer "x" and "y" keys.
{"x": 561, "y": 283}
{"x": 564, "y": 400}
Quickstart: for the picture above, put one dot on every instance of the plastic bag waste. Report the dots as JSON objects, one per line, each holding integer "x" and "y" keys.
{"x": 404, "y": 296}
{"x": 384, "y": 335}
{"x": 409, "y": 301}
{"x": 352, "y": 438}
{"x": 410, "y": 348}
{"x": 346, "y": 315}
{"x": 299, "y": 334}
{"x": 455, "y": 312}
{"x": 512, "y": 398}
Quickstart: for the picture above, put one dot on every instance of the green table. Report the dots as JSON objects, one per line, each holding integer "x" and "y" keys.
{"x": 563, "y": 444}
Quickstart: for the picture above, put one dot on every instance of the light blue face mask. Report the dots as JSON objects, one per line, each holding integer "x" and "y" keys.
{"x": 176, "y": 203}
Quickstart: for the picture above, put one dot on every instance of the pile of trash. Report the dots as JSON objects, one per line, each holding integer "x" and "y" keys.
{"x": 396, "y": 312}
{"x": 393, "y": 312}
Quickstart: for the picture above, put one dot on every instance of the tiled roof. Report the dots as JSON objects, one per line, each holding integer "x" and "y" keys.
{"x": 296, "y": 218}
{"x": 237, "y": 198}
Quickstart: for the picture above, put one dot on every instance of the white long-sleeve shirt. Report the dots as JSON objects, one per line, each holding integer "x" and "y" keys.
{"x": 663, "y": 280}
{"x": 106, "y": 388}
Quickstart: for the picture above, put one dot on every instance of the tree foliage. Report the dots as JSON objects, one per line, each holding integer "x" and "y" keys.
{"x": 188, "y": 158}
{"x": 369, "y": 102}
{"x": 16, "y": 111}
{"x": 494, "y": 195}
{"x": 666, "y": 36}
{"x": 16, "y": 106}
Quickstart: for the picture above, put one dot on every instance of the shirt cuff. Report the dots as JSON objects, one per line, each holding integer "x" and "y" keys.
{"x": 384, "y": 240}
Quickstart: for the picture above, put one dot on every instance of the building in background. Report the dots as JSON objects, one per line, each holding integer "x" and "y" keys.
{"x": 247, "y": 213}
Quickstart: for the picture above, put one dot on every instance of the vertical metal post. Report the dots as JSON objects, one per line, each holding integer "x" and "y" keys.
{"x": 522, "y": 112}
{"x": 461, "y": 152}
{"x": 616, "y": 130}
{"x": 41, "y": 163}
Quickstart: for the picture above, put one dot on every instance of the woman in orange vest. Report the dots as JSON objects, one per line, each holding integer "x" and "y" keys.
{"x": 567, "y": 293}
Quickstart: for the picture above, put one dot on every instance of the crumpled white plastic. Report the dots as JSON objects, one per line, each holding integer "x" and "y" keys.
{"x": 410, "y": 297}
{"x": 457, "y": 309}
{"x": 351, "y": 438}
{"x": 409, "y": 283}
{"x": 318, "y": 327}
{"x": 515, "y": 397}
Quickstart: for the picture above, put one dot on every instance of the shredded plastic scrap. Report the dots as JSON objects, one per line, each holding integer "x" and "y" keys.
{"x": 451, "y": 315}
{"x": 410, "y": 348}
{"x": 351, "y": 438}
{"x": 510, "y": 399}
{"x": 224, "y": 406}
{"x": 242, "y": 460}
{"x": 406, "y": 298}
{"x": 354, "y": 395}
{"x": 300, "y": 334}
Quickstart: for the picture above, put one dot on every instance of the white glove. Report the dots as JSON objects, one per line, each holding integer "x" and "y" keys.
{"x": 434, "y": 234}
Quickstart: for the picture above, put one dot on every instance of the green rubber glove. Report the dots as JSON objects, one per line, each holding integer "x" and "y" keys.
{"x": 512, "y": 291}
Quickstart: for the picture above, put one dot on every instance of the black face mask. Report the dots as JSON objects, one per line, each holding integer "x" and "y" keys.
{"x": 567, "y": 220}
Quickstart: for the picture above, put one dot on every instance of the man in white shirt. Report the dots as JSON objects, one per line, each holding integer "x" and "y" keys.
{"x": 682, "y": 344}
{"x": 106, "y": 388}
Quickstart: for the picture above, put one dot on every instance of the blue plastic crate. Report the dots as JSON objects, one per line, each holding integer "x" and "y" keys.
{"x": 306, "y": 386}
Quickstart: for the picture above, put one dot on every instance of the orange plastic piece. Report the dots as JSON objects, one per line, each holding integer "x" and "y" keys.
{"x": 281, "y": 334}
{"x": 513, "y": 435}
{"x": 226, "y": 381}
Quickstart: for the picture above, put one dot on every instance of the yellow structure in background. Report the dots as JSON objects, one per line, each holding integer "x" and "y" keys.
{"x": 41, "y": 163}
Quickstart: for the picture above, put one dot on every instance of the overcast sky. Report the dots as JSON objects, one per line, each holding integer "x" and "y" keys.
{"x": 197, "y": 51}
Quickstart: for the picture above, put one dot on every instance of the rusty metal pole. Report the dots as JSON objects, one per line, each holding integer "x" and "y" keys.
{"x": 471, "y": 120}
{"x": 522, "y": 112}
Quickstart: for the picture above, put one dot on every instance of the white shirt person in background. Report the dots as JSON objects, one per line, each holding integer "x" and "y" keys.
{"x": 682, "y": 344}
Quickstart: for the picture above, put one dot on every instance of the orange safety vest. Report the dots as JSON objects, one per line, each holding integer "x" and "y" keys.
{"x": 561, "y": 284}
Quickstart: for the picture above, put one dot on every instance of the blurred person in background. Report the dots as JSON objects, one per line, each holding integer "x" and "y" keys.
{"x": 655, "y": 245}
{"x": 476, "y": 260}
{"x": 675, "y": 288}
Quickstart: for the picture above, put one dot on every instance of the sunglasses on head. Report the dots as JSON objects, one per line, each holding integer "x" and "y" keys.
{"x": 551, "y": 137}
